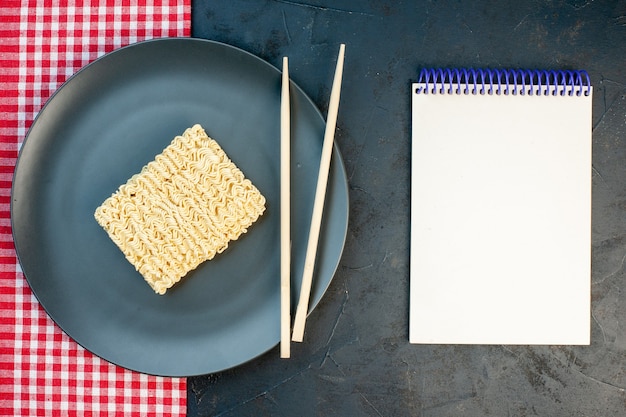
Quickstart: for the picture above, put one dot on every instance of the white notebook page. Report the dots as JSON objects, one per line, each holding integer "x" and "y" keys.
{"x": 500, "y": 219}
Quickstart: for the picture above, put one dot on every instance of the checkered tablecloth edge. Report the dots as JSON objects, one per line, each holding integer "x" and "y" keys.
{"x": 42, "y": 370}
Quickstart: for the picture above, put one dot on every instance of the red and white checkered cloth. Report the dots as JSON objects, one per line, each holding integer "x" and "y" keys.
{"x": 42, "y": 371}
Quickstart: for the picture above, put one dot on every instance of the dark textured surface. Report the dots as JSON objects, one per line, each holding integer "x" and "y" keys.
{"x": 356, "y": 359}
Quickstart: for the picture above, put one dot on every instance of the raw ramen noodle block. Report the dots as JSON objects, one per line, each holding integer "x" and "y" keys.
{"x": 182, "y": 209}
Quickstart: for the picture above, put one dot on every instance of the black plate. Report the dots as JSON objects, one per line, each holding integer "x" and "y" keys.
{"x": 101, "y": 127}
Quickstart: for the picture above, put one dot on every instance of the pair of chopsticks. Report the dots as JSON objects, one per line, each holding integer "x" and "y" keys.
{"x": 318, "y": 207}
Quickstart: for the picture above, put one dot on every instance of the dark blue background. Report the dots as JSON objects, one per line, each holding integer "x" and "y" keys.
{"x": 356, "y": 359}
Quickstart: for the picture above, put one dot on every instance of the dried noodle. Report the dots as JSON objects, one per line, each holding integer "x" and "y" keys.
{"x": 182, "y": 209}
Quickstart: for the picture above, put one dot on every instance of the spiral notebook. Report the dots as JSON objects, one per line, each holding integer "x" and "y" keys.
{"x": 500, "y": 207}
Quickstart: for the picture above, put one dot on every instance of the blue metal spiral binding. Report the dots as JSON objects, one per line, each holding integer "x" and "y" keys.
{"x": 480, "y": 81}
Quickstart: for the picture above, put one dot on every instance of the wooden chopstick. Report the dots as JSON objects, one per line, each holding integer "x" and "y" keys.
{"x": 285, "y": 240}
{"x": 318, "y": 205}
